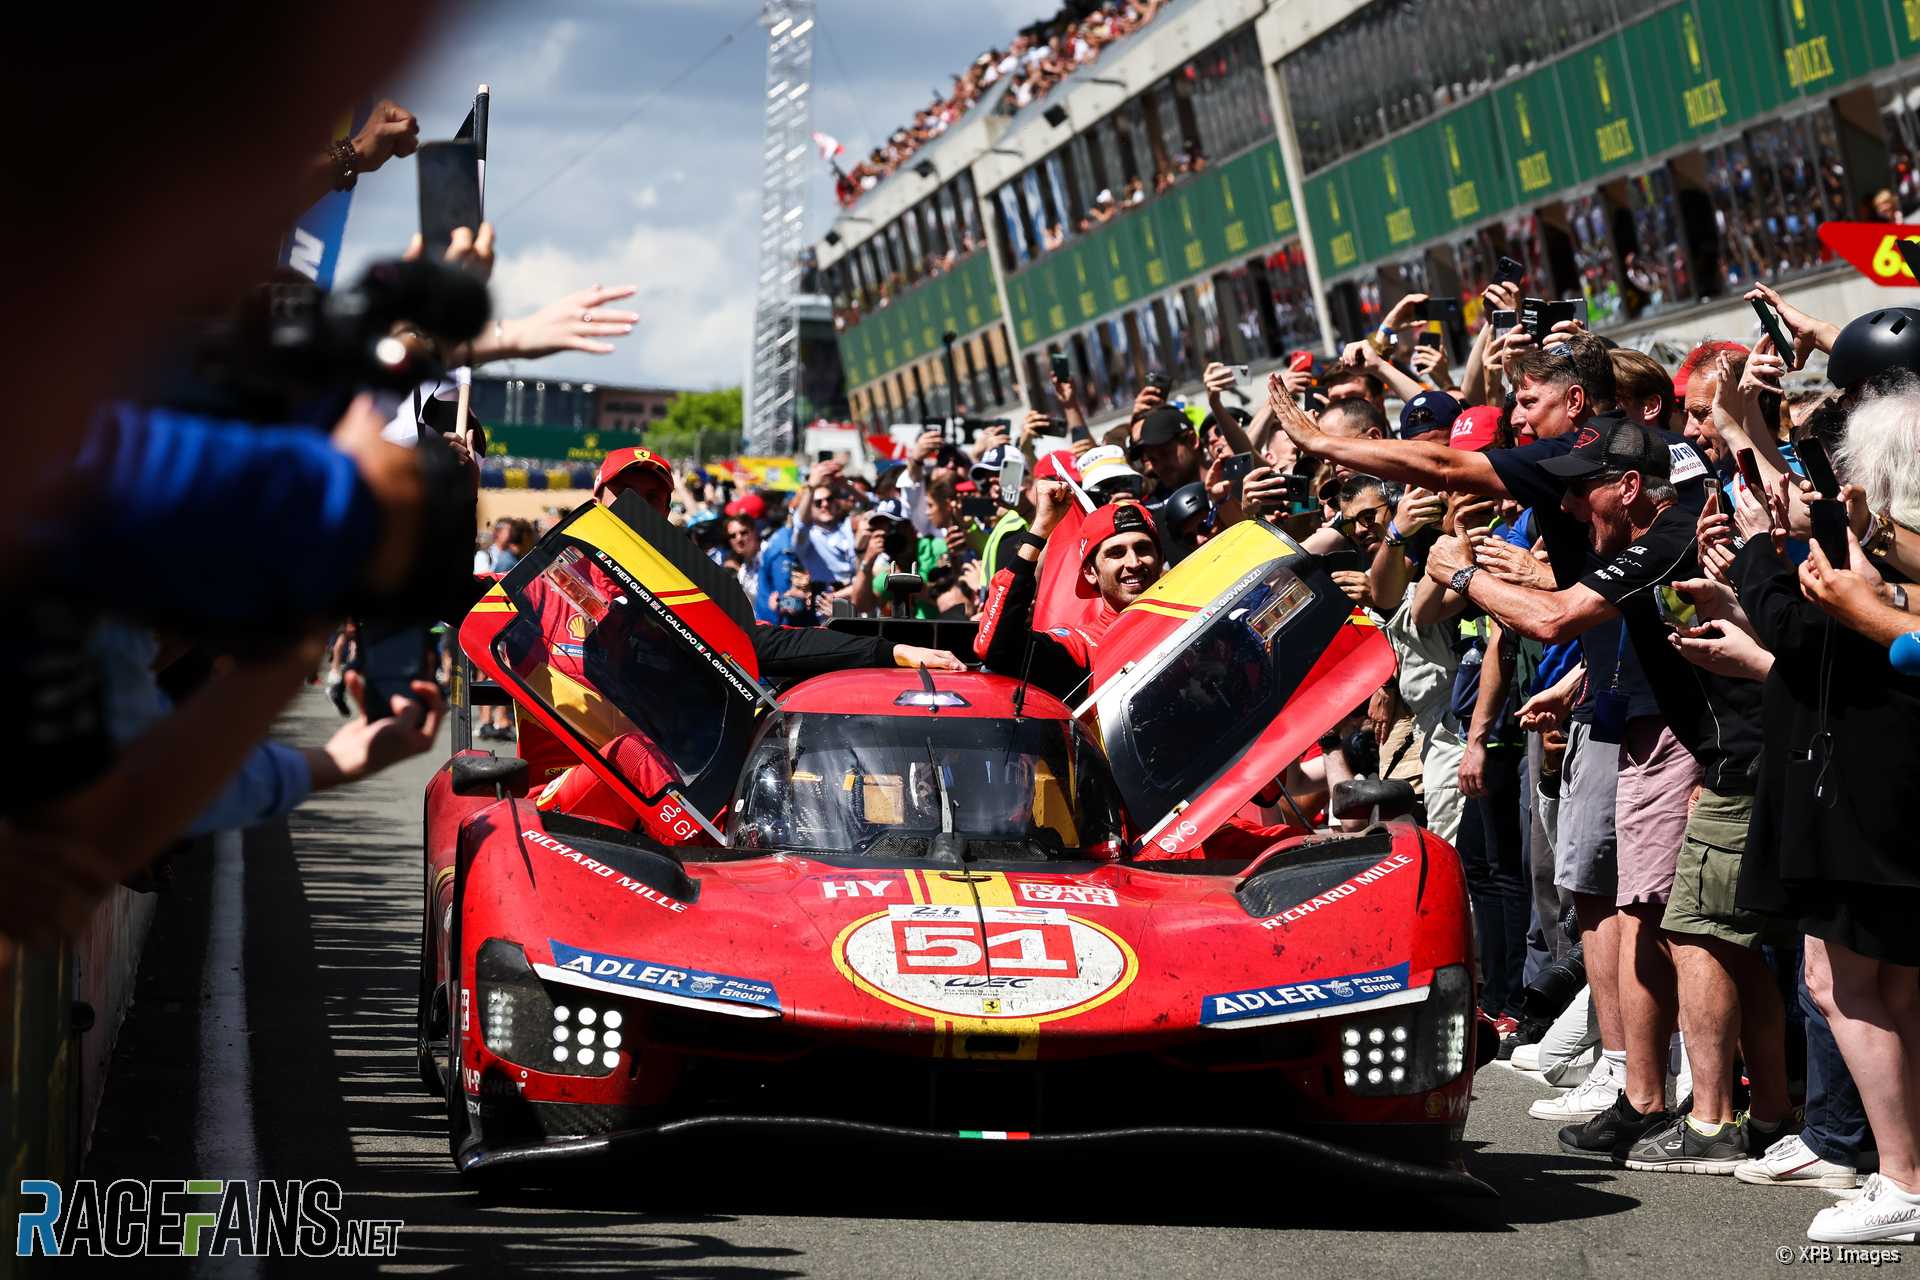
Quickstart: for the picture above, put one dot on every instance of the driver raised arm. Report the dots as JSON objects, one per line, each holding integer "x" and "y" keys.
{"x": 785, "y": 653}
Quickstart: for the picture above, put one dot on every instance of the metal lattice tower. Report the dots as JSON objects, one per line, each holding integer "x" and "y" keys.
{"x": 773, "y": 379}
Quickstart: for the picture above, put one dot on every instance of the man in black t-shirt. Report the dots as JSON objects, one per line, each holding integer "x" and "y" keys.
{"x": 1558, "y": 392}
{"x": 1618, "y": 488}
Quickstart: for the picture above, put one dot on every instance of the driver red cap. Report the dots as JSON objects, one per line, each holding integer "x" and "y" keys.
{"x": 1106, "y": 522}
{"x": 619, "y": 460}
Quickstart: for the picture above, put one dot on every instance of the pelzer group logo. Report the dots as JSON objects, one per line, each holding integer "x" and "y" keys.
{"x": 197, "y": 1217}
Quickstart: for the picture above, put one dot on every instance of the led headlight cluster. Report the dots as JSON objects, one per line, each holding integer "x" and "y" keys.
{"x": 542, "y": 1027}
{"x": 1411, "y": 1048}
{"x": 586, "y": 1037}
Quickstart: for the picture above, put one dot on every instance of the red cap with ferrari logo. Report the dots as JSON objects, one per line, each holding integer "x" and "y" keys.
{"x": 1107, "y": 522}
{"x": 619, "y": 460}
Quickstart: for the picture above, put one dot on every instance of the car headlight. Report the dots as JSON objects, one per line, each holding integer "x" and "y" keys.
{"x": 546, "y": 1028}
{"x": 1412, "y": 1048}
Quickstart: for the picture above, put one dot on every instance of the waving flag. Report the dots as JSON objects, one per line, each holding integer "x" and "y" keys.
{"x": 829, "y": 146}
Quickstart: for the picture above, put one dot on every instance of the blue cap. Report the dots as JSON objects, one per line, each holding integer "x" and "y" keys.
{"x": 1428, "y": 411}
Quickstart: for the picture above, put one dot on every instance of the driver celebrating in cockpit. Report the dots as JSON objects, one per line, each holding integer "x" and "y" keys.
{"x": 1120, "y": 558}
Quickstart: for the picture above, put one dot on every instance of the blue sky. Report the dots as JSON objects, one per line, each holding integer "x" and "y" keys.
{"x": 669, "y": 202}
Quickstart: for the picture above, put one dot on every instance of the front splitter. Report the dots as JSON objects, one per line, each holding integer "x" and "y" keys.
{"x": 1447, "y": 1179}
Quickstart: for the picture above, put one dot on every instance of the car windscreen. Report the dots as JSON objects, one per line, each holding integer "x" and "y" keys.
{"x": 892, "y": 786}
{"x": 1191, "y": 714}
{"x": 612, "y": 667}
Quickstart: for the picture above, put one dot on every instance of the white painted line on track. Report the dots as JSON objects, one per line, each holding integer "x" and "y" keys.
{"x": 226, "y": 1146}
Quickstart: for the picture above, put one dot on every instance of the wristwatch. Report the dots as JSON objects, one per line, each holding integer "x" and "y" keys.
{"x": 1462, "y": 576}
{"x": 1899, "y": 594}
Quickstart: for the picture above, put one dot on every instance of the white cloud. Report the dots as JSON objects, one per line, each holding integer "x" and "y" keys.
{"x": 542, "y": 67}
{"x": 694, "y": 295}
{"x": 646, "y": 197}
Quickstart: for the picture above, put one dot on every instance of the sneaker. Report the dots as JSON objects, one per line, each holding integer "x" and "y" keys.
{"x": 1881, "y": 1211}
{"x": 1792, "y": 1163}
{"x": 1613, "y": 1131}
{"x": 1680, "y": 1148}
{"x": 1582, "y": 1102}
{"x": 1526, "y": 1057}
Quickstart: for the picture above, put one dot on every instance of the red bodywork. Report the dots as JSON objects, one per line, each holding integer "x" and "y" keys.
{"x": 919, "y": 1000}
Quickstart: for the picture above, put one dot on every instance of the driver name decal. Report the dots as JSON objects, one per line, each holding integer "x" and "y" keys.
{"x": 1301, "y": 999}
{"x": 998, "y": 963}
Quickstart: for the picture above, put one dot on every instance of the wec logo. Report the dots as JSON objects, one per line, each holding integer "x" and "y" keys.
{"x": 197, "y": 1217}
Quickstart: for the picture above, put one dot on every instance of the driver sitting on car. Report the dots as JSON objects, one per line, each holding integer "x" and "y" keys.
{"x": 1119, "y": 559}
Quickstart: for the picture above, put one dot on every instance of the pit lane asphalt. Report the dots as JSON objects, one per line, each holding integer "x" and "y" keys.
{"x": 328, "y": 969}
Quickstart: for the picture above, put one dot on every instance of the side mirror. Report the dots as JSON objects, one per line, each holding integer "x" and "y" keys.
{"x": 1372, "y": 799}
{"x": 483, "y": 775}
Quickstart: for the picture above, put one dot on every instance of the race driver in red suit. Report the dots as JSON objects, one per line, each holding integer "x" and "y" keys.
{"x": 1119, "y": 551}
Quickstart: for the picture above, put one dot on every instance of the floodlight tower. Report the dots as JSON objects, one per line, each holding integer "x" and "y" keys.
{"x": 773, "y": 379}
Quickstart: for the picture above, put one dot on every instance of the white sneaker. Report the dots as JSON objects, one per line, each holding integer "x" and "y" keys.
{"x": 1790, "y": 1162}
{"x": 1881, "y": 1211}
{"x": 1582, "y": 1102}
{"x": 1526, "y": 1058}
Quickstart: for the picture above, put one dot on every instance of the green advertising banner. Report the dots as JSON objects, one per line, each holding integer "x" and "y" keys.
{"x": 909, "y": 327}
{"x": 1693, "y": 70}
{"x": 558, "y": 444}
{"x": 1330, "y": 210}
{"x": 1227, "y": 213}
{"x": 1905, "y": 15}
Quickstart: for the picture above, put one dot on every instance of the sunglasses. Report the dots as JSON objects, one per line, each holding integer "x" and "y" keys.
{"x": 824, "y": 502}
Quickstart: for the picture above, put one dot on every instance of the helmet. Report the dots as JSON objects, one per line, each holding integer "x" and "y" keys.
{"x": 1888, "y": 338}
{"x": 1183, "y": 504}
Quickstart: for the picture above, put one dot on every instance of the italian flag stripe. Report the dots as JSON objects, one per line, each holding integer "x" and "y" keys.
{"x": 995, "y": 1135}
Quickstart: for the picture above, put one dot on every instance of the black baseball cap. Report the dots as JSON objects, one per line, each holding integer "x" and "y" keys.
{"x": 1159, "y": 427}
{"x": 1613, "y": 444}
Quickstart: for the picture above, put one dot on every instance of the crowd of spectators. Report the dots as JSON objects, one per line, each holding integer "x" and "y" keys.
{"x": 1665, "y": 726}
{"x": 1037, "y": 59}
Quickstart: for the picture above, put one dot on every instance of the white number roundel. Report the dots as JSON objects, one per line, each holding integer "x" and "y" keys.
{"x": 1017, "y": 962}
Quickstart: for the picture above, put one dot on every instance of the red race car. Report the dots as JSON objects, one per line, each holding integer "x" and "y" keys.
{"x": 894, "y": 905}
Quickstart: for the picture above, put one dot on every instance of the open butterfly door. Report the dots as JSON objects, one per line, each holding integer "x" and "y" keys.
{"x": 630, "y": 647}
{"x": 1221, "y": 675}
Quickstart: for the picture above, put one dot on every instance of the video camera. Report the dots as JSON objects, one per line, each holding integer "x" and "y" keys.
{"x": 290, "y": 345}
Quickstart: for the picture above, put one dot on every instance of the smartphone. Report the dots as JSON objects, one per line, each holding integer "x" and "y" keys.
{"x": 1713, "y": 493}
{"x": 1241, "y": 371}
{"x": 1300, "y": 361}
{"x": 1532, "y": 317}
{"x": 1445, "y": 310}
{"x": 1507, "y": 271}
{"x": 449, "y": 192}
{"x": 1813, "y": 456}
{"x": 1830, "y": 529}
{"x": 1347, "y": 558}
{"x": 982, "y": 509}
{"x": 1062, "y": 370}
{"x": 1159, "y": 380}
{"x": 1771, "y": 324}
{"x": 1750, "y": 470}
{"x": 391, "y": 658}
{"x": 1431, "y": 341}
{"x": 1504, "y": 320}
{"x": 1675, "y": 610}
{"x": 1013, "y": 478}
{"x": 1564, "y": 309}
{"x": 1236, "y": 467}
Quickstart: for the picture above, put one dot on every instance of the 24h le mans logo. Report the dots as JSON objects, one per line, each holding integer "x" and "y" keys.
{"x": 290, "y": 1218}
